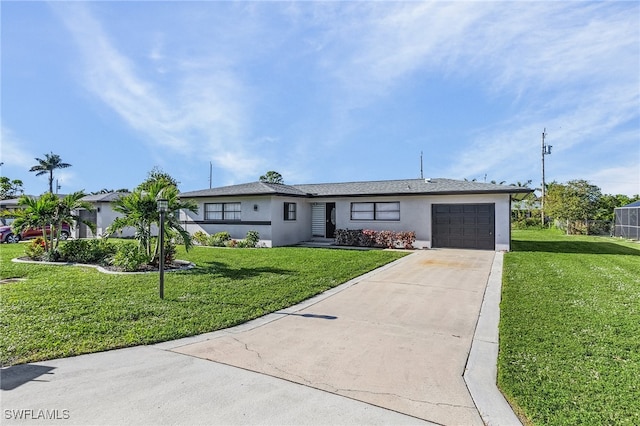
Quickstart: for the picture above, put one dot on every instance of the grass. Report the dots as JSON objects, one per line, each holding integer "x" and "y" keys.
{"x": 61, "y": 311}
{"x": 570, "y": 329}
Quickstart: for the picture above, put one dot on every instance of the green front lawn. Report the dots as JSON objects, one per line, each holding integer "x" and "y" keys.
{"x": 570, "y": 329}
{"x": 60, "y": 311}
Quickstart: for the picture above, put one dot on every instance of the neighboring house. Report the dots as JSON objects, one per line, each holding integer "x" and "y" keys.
{"x": 103, "y": 216}
{"x": 627, "y": 223}
{"x": 10, "y": 204}
{"x": 442, "y": 212}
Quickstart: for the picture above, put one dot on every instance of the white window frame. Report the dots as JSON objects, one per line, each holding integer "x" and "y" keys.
{"x": 388, "y": 211}
{"x": 228, "y": 212}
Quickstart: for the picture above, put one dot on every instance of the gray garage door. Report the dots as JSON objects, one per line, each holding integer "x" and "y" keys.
{"x": 464, "y": 226}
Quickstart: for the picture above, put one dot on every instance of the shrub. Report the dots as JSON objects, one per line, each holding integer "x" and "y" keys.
{"x": 252, "y": 239}
{"x": 231, "y": 243}
{"x": 368, "y": 238}
{"x": 35, "y": 249}
{"x": 87, "y": 251}
{"x": 219, "y": 239}
{"x": 200, "y": 238}
{"x": 129, "y": 258}
{"x": 347, "y": 237}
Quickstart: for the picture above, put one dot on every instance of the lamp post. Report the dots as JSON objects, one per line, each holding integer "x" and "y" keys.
{"x": 163, "y": 206}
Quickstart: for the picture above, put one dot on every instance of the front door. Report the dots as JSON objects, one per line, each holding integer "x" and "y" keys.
{"x": 330, "y": 216}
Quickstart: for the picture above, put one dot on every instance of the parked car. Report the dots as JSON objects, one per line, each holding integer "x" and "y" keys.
{"x": 8, "y": 236}
{"x": 6, "y": 233}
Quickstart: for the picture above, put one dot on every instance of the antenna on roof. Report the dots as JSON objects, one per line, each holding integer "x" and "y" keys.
{"x": 421, "y": 171}
{"x": 210, "y": 173}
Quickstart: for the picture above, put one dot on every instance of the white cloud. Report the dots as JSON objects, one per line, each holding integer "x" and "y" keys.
{"x": 200, "y": 114}
{"x": 12, "y": 152}
{"x": 618, "y": 180}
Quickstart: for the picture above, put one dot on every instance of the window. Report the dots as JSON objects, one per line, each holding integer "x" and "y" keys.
{"x": 375, "y": 211}
{"x": 290, "y": 211}
{"x": 222, "y": 211}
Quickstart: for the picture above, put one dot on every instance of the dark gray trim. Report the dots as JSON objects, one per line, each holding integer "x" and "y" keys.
{"x": 227, "y": 222}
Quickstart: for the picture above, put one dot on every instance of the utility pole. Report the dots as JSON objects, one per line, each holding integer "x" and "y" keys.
{"x": 546, "y": 150}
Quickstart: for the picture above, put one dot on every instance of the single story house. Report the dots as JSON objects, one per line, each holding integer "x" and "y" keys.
{"x": 441, "y": 212}
{"x": 103, "y": 216}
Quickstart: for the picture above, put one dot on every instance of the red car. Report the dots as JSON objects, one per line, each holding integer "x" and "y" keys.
{"x": 8, "y": 236}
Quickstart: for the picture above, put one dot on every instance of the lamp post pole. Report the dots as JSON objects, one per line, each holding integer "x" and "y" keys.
{"x": 163, "y": 206}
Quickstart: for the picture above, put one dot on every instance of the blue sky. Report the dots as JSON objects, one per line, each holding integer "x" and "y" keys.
{"x": 321, "y": 91}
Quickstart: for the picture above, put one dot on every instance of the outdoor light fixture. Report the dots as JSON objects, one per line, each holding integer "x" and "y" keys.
{"x": 163, "y": 207}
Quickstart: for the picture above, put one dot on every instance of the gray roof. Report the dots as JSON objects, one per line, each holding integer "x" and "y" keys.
{"x": 634, "y": 204}
{"x": 103, "y": 198}
{"x": 253, "y": 188}
{"x": 358, "y": 189}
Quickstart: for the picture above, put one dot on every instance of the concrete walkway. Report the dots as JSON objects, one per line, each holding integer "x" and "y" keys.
{"x": 392, "y": 341}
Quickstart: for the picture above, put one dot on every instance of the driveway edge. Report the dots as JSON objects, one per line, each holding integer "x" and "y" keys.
{"x": 481, "y": 371}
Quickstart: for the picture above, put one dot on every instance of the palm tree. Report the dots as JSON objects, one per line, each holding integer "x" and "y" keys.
{"x": 139, "y": 210}
{"x": 48, "y": 165}
{"x": 36, "y": 213}
{"x": 67, "y": 212}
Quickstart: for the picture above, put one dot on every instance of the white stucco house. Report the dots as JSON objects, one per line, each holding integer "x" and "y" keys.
{"x": 441, "y": 212}
{"x": 103, "y": 216}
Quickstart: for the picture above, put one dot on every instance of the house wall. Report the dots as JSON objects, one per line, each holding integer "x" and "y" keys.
{"x": 415, "y": 215}
{"x": 105, "y": 217}
{"x": 268, "y": 219}
{"x": 252, "y": 219}
{"x": 288, "y": 232}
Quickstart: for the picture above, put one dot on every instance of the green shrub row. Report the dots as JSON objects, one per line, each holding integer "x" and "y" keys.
{"x": 95, "y": 251}
{"x": 126, "y": 256}
{"x": 223, "y": 239}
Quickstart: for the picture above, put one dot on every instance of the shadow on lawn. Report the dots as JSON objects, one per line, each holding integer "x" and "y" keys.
{"x": 581, "y": 247}
{"x": 223, "y": 270}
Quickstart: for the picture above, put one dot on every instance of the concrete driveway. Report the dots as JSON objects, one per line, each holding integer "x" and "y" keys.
{"x": 398, "y": 339}
{"x": 391, "y": 342}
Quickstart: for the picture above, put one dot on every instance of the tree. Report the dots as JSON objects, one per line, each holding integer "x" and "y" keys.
{"x": 50, "y": 211}
{"x": 139, "y": 210}
{"x": 10, "y": 188}
{"x": 48, "y": 165}
{"x": 66, "y": 211}
{"x": 576, "y": 200}
{"x": 609, "y": 202}
{"x": 35, "y": 213}
{"x": 157, "y": 175}
{"x": 272, "y": 177}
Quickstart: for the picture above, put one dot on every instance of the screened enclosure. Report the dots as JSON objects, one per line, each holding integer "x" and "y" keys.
{"x": 626, "y": 224}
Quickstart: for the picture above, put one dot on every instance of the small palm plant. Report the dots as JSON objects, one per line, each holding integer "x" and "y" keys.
{"x": 67, "y": 211}
{"x": 49, "y": 211}
{"x": 139, "y": 210}
{"x": 35, "y": 213}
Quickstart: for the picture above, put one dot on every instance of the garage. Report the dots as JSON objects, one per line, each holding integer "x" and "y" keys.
{"x": 463, "y": 226}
